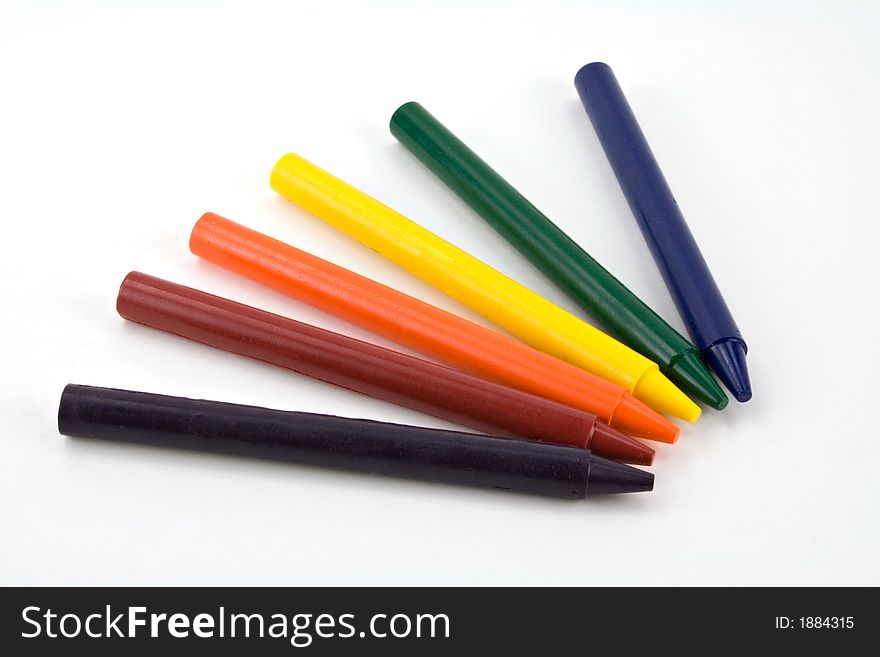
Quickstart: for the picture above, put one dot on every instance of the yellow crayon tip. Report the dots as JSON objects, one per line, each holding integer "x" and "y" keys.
{"x": 660, "y": 393}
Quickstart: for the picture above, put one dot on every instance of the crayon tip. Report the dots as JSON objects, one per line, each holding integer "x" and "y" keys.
{"x": 607, "y": 477}
{"x": 633, "y": 417}
{"x": 690, "y": 373}
{"x": 660, "y": 393}
{"x": 728, "y": 359}
{"x": 613, "y": 444}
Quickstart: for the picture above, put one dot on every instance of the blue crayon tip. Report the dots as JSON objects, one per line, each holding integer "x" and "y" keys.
{"x": 727, "y": 358}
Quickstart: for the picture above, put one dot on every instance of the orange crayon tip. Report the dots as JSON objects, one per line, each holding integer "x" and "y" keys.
{"x": 635, "y": 418}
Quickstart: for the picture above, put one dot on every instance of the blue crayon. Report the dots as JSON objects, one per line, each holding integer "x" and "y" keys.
{"x": 675, "y": 251}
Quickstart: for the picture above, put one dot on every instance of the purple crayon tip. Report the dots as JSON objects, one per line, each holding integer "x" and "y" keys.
{"x": 608, "y": 477}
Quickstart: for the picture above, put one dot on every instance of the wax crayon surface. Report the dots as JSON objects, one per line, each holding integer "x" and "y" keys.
{"x": 343, "y": 443}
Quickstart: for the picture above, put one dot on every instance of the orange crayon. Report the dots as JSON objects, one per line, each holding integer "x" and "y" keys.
{"x": 421, "y": 326}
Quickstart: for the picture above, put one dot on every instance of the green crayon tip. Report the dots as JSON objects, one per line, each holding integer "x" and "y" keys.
{"x": 690, "y": 374}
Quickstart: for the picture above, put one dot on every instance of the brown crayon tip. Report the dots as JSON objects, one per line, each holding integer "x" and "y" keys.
{"x": 613, "y": 444}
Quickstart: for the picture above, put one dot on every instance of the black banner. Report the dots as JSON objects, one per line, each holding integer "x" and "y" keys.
{"x": 278, "y": 621}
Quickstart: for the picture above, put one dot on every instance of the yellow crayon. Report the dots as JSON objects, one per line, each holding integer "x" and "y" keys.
{"x": 496, "y": 297}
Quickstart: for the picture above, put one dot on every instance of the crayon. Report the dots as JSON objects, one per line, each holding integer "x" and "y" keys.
{"x": 421, "y": 326}
{"x": 471, "y": 282}
{"x": 687, "y": 276}
{"x": 402, "y": 379}
{"x": 329, "y": 441}
{"x": 619, "y": 312}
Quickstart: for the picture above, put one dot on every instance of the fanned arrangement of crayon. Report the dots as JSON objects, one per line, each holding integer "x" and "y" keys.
{"x": 563, "y": 407}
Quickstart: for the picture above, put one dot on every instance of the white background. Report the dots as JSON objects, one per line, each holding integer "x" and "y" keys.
{"x": 120, "y": 125}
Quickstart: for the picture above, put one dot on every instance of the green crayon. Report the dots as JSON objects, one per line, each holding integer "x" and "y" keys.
{"x": 621, "y": 313}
